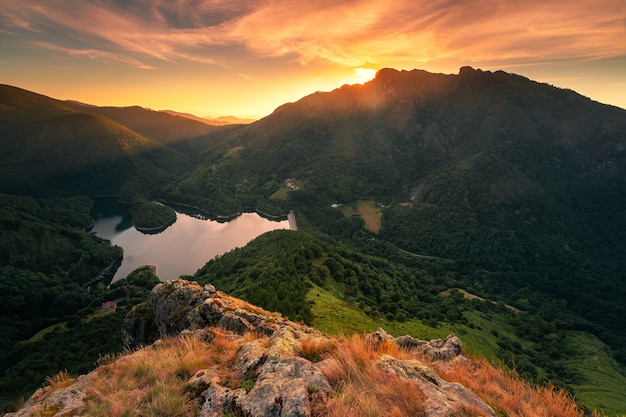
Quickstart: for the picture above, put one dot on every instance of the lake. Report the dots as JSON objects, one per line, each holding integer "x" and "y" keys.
{"x": 183, "y": 247}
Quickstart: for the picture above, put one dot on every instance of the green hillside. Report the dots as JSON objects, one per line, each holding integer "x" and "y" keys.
{"x": 163, "y": 127}
{"x": 49, "y": 150}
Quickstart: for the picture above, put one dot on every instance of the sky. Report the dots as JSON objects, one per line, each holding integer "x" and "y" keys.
{"x": 245, "y": 58}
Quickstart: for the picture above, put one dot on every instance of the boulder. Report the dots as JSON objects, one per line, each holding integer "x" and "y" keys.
{"x": 442, "y": 399}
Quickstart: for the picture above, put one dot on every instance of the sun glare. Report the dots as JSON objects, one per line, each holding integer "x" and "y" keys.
{"x": 365, "y": 74}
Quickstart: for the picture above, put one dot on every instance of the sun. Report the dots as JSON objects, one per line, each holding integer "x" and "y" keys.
{"x": 365, "y": 74}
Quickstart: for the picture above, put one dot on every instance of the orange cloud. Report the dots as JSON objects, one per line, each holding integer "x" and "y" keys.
{"x": 320, "y": 41}
{"x": 353, "y": 33}
{"x": 348, "y": 33}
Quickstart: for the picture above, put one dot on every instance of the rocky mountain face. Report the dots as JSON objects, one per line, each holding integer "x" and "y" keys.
{"x": 272, "y": 353}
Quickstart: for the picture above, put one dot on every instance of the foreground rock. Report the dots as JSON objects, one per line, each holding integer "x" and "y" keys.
{"x": 276, "y": 377}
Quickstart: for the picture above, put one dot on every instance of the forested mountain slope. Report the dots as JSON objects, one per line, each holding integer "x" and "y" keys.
{"x": 161, "y": 126}
{"x": 390, "y": 137}
{"x": 49, "y": 149}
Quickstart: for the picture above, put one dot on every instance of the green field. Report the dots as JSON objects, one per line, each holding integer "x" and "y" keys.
{"x": 40, "y": 335}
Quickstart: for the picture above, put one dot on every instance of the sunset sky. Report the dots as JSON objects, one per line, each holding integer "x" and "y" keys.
{"x": 245, "y": 58}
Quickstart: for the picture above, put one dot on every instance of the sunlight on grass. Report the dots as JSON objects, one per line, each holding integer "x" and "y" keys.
{"x": 152, "y": 381}
{"x": 40, "y": 335}
{"x": 371, "y": 214}
{"x": 507, "y": 391}
{"x": 335, "y": 316}
{"x": 232, "y": 152}
{"x": 59, "y": 380}
{"x": 364, "y": 389}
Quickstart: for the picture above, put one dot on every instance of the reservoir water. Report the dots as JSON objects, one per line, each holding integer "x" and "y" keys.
{"x": 183, "y": 247}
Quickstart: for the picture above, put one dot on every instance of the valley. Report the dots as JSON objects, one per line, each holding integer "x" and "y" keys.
{"x": 482, "y": 183}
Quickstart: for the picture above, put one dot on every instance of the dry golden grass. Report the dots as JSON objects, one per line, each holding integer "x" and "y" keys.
{"x": 507, "y": 392}
{"x": 236, "y": 303}
{"x": 362, "y": 388}
{"x": 58, "y": 381}
{"x": 314, "y": 348}
{"x": 151, "y": 381}
{"x": 372, "y": 215}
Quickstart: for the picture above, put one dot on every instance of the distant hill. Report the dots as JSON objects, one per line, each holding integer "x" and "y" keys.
{"x": 161, "y": 126}
{"x": 16, "y": 103}
{"x": 47, "y": 147}
{"x": 213, "y": 121}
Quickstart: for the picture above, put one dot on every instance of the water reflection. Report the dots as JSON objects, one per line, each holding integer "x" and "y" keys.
{"x": 180, "y": 249}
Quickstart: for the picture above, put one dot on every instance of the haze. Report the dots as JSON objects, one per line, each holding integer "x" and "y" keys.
{"x": 245, "y": 58}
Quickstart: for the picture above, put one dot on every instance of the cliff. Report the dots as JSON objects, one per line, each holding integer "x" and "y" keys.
{"x": 199, "y": 352}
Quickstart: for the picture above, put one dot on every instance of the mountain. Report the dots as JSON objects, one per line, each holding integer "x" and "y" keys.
{"x": 393, "y": 130}
{"x": 213, "y": 121}
{"x": 220, "y": 356}
{"x": 390, "y": 137}
{"x": 49, "y": 149}
{"x": 161, "y": 126}
{"x": 520, "y": 186}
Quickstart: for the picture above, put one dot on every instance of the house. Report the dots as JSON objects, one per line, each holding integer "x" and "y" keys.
{"x": 108, "y": 305}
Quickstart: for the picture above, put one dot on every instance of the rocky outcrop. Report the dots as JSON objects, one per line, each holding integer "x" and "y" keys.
{"x": 65, "y": 401}
{"x": 442, "y": 399}
{"x": 179, "y": 305}
{"x": 276, "y": 378}
{"x": 437, "y": 349}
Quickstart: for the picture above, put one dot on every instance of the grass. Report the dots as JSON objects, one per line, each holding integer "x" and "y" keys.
{"x": 361, "y": 388}
{"x": 232, "y": 152}
{"x": 38, "y": 337}
{"x": 364, "y": 389}
{"x": 152, "y": 381}
{"x": 371, "y": 214}
{"x": 99, "y": 314}
{"x": 507, "y": 392}
{"x": 603, "y": 388}
{"x": 281, "y": 193}
{"x": 59, "y": 380}
{"x": 470, "y": 296}
{"x": 336, "y": 316}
